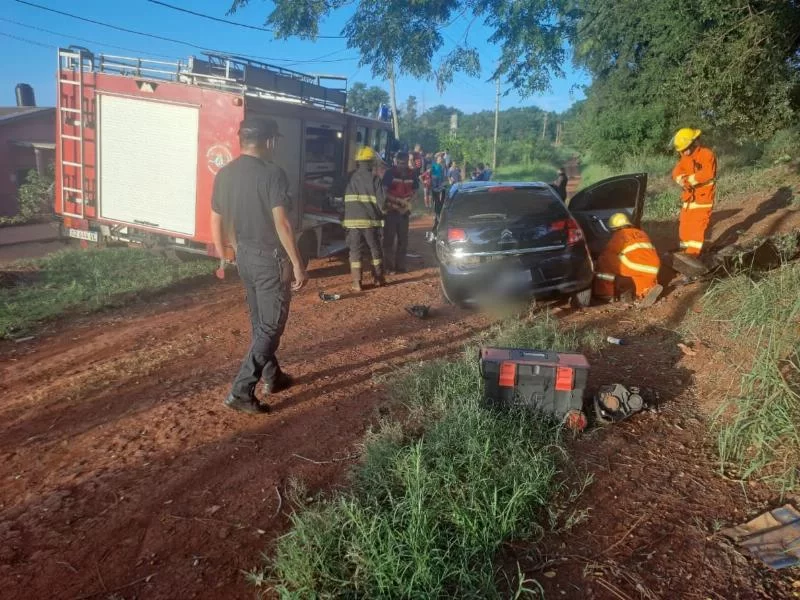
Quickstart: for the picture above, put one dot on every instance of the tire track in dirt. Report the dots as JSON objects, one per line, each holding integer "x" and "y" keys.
{"x": 120, "y": 462}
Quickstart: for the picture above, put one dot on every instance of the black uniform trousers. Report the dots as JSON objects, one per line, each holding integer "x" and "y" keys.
{"x": 267, "y": 279}
{"x": 395, "y": 230}
{"x": 357, "y": 238}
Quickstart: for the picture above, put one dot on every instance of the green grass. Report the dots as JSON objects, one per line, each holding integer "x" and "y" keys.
{"x": 86, "y": 280}
{"x": 433, "y": 499}
{"x": 534, "y": 171}
{"x": 758, "y": 430}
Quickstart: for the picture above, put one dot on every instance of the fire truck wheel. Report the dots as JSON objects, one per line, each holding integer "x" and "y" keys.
{"x": 307, "y": 244}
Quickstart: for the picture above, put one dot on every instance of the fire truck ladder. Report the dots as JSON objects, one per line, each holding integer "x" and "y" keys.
{"x": 76, "y": 60}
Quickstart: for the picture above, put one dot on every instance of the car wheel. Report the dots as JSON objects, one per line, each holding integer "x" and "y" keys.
{"x": 582, "y": 299}
{"x": 450, "y": 297}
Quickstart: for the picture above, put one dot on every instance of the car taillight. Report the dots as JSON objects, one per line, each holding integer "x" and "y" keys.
{"x": 456, "y": 235}
{"x": 574, "y": 232}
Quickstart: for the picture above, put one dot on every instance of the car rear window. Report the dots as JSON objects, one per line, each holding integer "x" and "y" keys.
{"x": 504, "y": 203}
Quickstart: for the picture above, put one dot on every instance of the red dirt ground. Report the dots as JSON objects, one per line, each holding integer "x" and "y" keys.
{"x": 124, "y": 475}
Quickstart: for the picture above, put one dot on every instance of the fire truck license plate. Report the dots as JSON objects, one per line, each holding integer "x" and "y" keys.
{"x": 80, "y": 234}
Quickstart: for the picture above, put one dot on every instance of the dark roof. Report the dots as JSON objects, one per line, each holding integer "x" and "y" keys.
{"x": 12, "y": 113}
{"x": 470, "y": 186}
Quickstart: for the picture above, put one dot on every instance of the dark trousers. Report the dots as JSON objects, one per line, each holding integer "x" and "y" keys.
{"x": 357, "y": 238}
{"x": 267, "y": 279}
{"x": 395, "y": 230}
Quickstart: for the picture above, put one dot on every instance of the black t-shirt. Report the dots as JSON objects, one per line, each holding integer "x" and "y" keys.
{"x": 245, "y": 192}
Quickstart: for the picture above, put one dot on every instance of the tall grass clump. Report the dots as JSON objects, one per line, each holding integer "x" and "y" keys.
{"x": 758, "y": 430}
{"x": 431, "y": 503}
{"x": 87, "y": 280}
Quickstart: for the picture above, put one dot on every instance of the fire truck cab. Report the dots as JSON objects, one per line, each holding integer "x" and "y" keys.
{"x": 140, "y": 141}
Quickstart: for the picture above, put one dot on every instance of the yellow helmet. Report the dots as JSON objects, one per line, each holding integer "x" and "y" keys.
{"x": 618, "y": 220}
{"x": 366, "y": 154}
{"x": 684, "y": 138}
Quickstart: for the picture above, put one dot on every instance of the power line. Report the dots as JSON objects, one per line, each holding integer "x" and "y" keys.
{"x": 220, "y": 20}
{"x": 166, "y": 39}
{"x": 27, "y": 41}
{"x": 72, "y": 37}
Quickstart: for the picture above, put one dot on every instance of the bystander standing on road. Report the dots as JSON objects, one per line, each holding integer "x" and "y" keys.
{"x": 250, "y": 203}
{"x": 399, "y": 183}
{"x": 454, "y": 173}
{"x": 560, "y": 183}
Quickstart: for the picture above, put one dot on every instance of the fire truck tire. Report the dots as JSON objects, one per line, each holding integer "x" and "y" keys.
{"x": 307, "y": 245}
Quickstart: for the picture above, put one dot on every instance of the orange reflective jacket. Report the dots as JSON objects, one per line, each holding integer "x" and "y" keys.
{"x": 629, "y": 253}
{"x": 696, "y": 173}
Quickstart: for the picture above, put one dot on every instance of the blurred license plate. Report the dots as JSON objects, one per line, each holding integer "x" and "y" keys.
{"x": 81, "y": 234}
{"x": 513, "y": 280}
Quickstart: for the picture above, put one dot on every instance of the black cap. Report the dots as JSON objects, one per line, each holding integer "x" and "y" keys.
{"x": 400, "y": 155}
{"x": 259, "y": 128}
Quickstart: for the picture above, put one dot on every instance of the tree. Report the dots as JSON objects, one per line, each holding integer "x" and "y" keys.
{"x": 34, "y": 197}
{"x": 729, "y": 65}
{"x": 407, "y": 36}
{"x": 363, "y": 100}
{"x": 410, "y": 111}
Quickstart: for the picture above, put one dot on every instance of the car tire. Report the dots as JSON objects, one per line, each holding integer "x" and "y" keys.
{"x": 450, "y": 297}
{"x": 581, "y": 299}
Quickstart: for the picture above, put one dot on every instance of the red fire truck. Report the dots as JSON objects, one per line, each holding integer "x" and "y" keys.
{"x": 140, "y": 141}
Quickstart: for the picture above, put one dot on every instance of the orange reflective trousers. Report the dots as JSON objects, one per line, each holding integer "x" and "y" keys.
{"x": 629, "y": 253}
{"x": 695, "y": 173}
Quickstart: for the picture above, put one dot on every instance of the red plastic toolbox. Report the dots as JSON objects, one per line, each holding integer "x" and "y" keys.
{"x": 551, "y": 382}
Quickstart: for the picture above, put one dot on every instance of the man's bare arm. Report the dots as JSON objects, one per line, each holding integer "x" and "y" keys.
{"x": 216, "y": 234}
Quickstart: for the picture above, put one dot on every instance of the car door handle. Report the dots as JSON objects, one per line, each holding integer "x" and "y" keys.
{"x": 600, "y": 223}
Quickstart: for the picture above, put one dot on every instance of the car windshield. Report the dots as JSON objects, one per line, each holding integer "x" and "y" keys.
{"x": 504, "y": 203}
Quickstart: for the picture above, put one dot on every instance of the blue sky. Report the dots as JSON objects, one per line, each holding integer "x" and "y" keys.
{"x": 36, "y": 64}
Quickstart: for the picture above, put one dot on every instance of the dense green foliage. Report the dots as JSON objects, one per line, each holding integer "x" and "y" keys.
{"x": 85, "y": 280}
{"x": 363, "y": 100}
{"x": 725, "y": 65}
{"x": 34, "y": 199}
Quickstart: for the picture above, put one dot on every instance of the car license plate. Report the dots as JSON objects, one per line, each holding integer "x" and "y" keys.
{"x": 82, "y": 234}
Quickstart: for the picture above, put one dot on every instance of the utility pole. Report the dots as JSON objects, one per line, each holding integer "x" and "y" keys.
{"x": 544, "y": 126}
{"x": 395, "y": 120}
{"x": 496, "y": 121}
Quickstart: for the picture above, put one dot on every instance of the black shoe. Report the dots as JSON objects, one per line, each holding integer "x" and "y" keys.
{"x": 249, "y": 405}
{"x": 279, "y": 384}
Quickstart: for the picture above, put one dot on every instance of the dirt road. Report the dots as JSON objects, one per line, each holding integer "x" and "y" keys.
{"x": 122, "y": 473}
{"x": 121, "y": 467}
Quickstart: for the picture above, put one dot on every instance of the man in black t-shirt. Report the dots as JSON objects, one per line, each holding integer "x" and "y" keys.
{"x": 249, "y": 207}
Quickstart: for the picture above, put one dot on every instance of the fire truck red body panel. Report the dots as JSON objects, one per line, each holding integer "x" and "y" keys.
{"x": 219, "y": 116}
{"x": 139, "y": 143}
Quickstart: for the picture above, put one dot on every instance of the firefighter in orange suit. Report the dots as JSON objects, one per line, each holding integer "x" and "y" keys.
{"x": 695, "y": 172}
{"x": 629, "y": 254}
{"x": 363, "y": 217}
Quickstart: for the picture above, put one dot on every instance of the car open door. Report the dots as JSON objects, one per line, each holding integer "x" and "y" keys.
{"x": 593, "y": 206}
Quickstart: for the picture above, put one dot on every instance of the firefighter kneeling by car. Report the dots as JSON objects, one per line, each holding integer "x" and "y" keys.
{"x": 363, "y": 217}
{"x": 629, "y": 257}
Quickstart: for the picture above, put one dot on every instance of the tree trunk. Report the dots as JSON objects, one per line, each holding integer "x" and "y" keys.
{"x": 393, "y": 94}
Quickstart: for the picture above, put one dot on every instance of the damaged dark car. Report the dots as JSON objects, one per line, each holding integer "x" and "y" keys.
{"x": 497, "y": 241}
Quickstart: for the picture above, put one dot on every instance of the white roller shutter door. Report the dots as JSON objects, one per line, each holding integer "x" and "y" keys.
{"x": 148, "y": 163}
